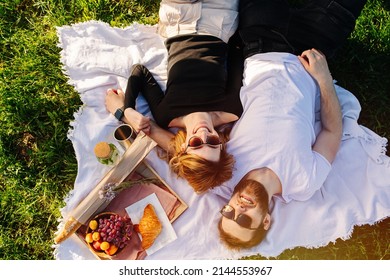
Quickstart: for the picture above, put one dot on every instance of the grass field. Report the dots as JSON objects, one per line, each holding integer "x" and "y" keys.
{"x": 37, "y": 162}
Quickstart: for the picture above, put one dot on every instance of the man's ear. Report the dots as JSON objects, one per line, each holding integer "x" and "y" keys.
{"x": 267, "y": 221}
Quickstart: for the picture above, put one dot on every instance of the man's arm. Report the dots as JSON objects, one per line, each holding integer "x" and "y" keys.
{"x": 329, "y": 139}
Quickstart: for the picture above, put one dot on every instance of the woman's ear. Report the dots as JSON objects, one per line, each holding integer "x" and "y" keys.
{"x": 183, "y": 147}
{"x": 267, "y": 221}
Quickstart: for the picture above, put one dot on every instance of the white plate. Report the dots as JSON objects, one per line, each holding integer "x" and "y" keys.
{"x": 136, "y": 211}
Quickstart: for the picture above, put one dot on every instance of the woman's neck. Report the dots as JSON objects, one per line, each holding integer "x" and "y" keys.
{"x": 220, "y": 118}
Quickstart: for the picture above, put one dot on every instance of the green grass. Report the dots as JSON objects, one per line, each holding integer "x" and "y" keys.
{"x": 37, "y": 163}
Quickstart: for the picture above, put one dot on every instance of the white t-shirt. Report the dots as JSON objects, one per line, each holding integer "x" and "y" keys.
{"x": 276, "y": 129}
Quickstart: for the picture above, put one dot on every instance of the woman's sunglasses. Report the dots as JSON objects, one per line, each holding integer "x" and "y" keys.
{"x": 243, "y": 220}
{"x": 196, "y": 142}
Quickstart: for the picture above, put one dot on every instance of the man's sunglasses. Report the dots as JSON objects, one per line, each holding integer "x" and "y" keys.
{"x": 196, "y": 142}
{"x": 243, "y": 220}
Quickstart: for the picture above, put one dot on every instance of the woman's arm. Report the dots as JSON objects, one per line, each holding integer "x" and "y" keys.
{"x": 161, "y": 136}
{"x": 139, "y": 122}
{"x": 329, "y": 139}
{"x": 141, "y": 80}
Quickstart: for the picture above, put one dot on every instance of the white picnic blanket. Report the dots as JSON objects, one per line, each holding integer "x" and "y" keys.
{"x": 96, "y": 57}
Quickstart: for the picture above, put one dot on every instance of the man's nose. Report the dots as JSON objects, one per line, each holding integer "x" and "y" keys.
{"x": 240, "y": 208}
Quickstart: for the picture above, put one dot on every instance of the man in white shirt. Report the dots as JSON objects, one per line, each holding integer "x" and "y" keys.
{"x": 285, "y": 79}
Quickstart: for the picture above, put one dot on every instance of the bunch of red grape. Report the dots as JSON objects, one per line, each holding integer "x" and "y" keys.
{"x": 115, "y": 229}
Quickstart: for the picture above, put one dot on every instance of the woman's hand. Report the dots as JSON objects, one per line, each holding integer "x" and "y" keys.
{"x": 114, "y": 99}
{"x": 137, "y": 121}
{"x": 316, "y": 65}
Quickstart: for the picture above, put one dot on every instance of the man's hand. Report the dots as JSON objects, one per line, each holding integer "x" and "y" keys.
{"x": 328, "y": 140}
{"x": 316, "y": 65}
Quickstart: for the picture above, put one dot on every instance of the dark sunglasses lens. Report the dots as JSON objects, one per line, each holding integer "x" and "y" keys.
{"x": 195, "y": 142}
{"x": 244, "y": 221}
{"x": 213, "y": 140}
{"x": 228, "y": 212}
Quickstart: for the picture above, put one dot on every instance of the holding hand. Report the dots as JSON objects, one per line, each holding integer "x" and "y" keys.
{"x": 137, "y": 121}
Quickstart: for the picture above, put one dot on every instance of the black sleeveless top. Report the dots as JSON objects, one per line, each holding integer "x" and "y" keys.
{"x": 197, "y": 80}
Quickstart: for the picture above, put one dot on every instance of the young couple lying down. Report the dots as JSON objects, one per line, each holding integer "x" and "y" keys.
{"x": 259, "y": 62}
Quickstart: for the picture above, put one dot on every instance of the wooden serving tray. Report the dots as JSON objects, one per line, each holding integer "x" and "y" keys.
{"x": 171, "y": 202}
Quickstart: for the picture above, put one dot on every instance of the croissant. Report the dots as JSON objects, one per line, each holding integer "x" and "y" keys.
{"x": 149, "y": 227}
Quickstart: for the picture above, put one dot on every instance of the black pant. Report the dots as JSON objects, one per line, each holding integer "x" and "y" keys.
{"x": 141, "y": 80}
{"x": 272, "y": 25}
